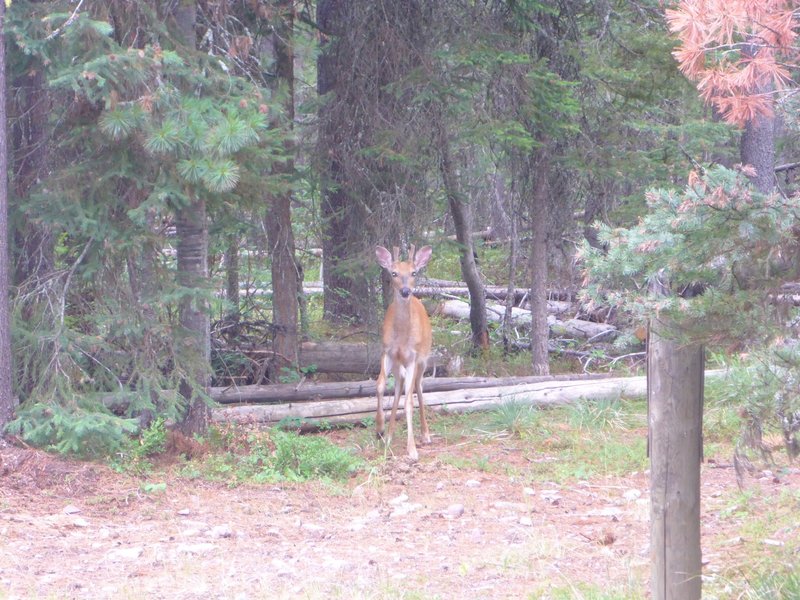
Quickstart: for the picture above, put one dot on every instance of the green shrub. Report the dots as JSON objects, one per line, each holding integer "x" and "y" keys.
{"x": 86, "y": 431}
{"x": 515, "y": 417}
{"x": 274, "y": 455}
{"x": 301, "y": 457}
{"x": 152, "y": 440}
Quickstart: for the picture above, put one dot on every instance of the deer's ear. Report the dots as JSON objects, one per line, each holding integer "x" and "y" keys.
{"x": 384, "y": 257}
{"x": 422, "y": 257}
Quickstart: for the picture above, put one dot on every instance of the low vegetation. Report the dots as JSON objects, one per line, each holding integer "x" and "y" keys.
{"x": 588, "y": 442}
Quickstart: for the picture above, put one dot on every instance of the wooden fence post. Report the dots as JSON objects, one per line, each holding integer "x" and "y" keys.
{"x": 675, "y": 446}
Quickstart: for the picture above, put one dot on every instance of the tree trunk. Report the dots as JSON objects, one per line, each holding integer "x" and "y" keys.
{"x": 342, "y": 357}
{"x": 594, "y": 208}
{"x": 757, "y": 145}
{"x": 346, "y": 286}
{"x": 675, "y": 419}
{"x": 757, "y": 148}
{"x": 550, "y": 392}
{"x": 7, "y": 403}
{"x": 232, "y": 279}
{"x": 540, "y": 202}
{"x": 31, "y": 106}
{"x": 279, "y": 218}
{"x": 502, "y": 209}
{"x": 311, "y": 391}
{"x": 193, "y": 336}
{"x": 462, "y": 222}
{"x": 512, "y": 274}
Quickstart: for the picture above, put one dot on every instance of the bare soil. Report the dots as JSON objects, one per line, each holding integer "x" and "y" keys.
{"x": 72, "y": 529}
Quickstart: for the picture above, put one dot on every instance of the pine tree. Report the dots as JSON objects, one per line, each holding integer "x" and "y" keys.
{"x": 144, "y": 131}
{"x": 737, "y": 52}
{"x": 7, "y": 403}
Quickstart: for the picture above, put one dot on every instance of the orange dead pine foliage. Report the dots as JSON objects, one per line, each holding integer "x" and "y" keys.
{"x": 737, "y": 51}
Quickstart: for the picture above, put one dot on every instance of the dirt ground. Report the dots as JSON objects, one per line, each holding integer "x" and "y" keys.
{"x": 428, "y": 530}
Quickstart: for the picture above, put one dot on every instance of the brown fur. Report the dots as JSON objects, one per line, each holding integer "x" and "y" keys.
{"x": 407, "y": 342}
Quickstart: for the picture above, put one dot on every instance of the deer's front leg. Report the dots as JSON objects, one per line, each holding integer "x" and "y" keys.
{"x": 381, "y": 385}
{"x": 409, "y": 392}
{"x": 423, "y": 422}
{"x": 398, "y": 385}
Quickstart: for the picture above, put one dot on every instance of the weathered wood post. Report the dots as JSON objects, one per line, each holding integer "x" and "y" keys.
{"x": 675, "y": 446}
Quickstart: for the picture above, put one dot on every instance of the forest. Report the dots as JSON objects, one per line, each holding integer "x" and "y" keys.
{"x": 196, "y": 189}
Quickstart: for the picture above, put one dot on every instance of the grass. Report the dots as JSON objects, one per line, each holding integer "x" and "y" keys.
{"x": 585, "y": 592}
{"x": 766, "y": 542}
{"x": 564, "y": 445}
{"x": 783, "y": 585}
{"x": 590, "y": 439}
{"x": 587, "y": 440}
{"x": 270, "y": 456}
{"x": 515, "y": 418}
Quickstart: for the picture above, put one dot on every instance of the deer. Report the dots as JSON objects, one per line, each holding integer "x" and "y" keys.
{"x": 407, "y": 341}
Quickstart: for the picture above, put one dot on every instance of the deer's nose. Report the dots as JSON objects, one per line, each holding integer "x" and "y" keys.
{"x": 405, "y": 292}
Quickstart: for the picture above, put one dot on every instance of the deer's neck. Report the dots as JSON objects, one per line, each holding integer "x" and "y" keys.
{"x": 401, "y": 323}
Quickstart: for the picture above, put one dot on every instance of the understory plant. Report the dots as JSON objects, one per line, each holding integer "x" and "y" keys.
{"x": 715, "y": 259}
{"x": 274, "y": 455}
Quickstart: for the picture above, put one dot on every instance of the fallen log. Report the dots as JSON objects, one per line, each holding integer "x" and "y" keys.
{"x": 456, "y": 309}
{"x": 338, "y": 357}
{"x": 546, "y": 393}
{"x": 310, "y": 391}
{"x": 542, "y": 394}
{"x": 574, "y": 328}
{"x": 588, "y": 330}
{"x": 429, "y": 288}
{"x": 491, "y": 292}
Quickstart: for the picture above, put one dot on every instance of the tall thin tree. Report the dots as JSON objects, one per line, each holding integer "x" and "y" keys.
{"x": 191, "y": 226}
{"x": 462, "y": 221}
{"x": 278, "y": 221}
{"x": 6, "y": 374}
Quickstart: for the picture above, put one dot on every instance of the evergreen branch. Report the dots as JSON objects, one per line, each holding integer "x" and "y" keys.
{"x": 68, "y": 280}
{"x": 66, "y": 24}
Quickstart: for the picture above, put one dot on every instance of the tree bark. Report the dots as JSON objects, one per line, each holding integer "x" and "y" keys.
{"x": 279, "y": 218}
{"x": 675, "y": 418}
{"x": 354, "y": 410}
{"x": 7, "y": 404}
{"x": 346, "y": 287}
{"x": 313, "y": 391}
{"x": 757, "y": 148}
{"x": 462, "y": 221}
{"x": 512, "y": 273}
{"x": 194, "y": 335}
{"x": 594, "y": 208}
{"x": 540, "y": 202}
{"x": 232, "y": 279}
{"x": 757, "y": 145}
{"x": 31, "y": 105}
{"x": 337, "y": 357}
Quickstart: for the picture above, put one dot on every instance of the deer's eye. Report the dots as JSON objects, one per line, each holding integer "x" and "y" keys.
{"x": 413, "y": 273}
{"x": 394, "y": 273}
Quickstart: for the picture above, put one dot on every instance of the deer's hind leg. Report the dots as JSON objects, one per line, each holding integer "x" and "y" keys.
{"x": 399, "y": 380}
{"x": 410, "y": 380}
{"x": 423, "y": 422}
{"x": 381, "y": 385}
